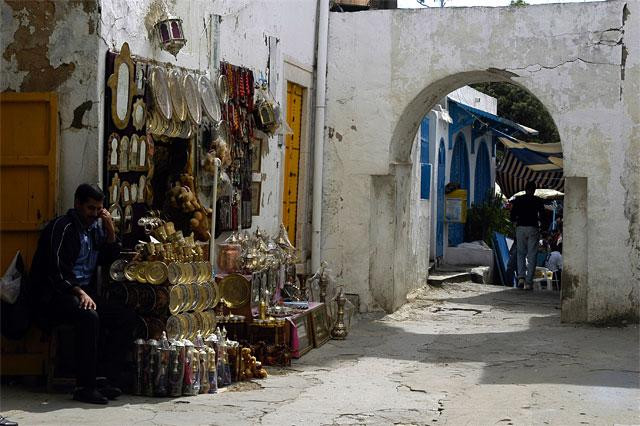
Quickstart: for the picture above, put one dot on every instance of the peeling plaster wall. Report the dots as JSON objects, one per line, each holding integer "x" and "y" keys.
{"x": 51, "y": 46}
{"x": 388, "y": 68}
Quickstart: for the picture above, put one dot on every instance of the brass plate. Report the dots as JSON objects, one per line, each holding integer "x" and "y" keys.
{"x": 192, "y": 98}
{"x": 156, "y": 272}
{"x": 160, "y": 91}
{"x": 173, "y": 273}
{"x": 210, "y": 103}
{"x": 141, "y": 272}
{"x": 177, "y": 95}
{"x": 173, "y": 327}
{"x": 116, "y": 271}
{"x": 223, "y": 89}
{"x": 177, "y": 298}
{"x": 216, "y": 295}
{"x": 131, "y": 271}
{"x": 235, "y": 290}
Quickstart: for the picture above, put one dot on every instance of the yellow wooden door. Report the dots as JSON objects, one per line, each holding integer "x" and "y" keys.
{"x": 292, "y": 159}
{"x": 28, "y": 133}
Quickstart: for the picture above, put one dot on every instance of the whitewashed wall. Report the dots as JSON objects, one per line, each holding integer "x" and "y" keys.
{"x": 582, "y": 62}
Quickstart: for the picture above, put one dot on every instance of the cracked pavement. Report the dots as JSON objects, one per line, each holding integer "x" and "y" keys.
{"x": 461, "y": 354}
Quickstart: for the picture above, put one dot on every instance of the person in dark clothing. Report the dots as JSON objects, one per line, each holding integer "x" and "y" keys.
{"x": 63, "y": 289}
{"x": 526, "y": 213}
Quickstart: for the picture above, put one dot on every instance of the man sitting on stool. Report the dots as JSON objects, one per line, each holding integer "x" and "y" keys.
{"x": 63, "y": 289}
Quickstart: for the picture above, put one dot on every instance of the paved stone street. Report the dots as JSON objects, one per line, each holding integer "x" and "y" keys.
{"x": 461, "y": 354}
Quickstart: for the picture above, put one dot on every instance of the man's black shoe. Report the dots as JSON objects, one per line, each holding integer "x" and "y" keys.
{"x": 6, "y": 422}
{"x": 107, "y": 389}
{"x": 89, "y": 395}
{"x": 111, "y": 392}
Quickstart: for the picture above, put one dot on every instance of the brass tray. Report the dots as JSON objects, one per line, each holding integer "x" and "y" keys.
{"x": 235, "y": 290}
{"x": 210, "y": 103}
{"x": 141, "y": 272}
{"x": 177, "y": 298}
{"x": 160, "y": 91}
{"x": 216, "y": 295}
{"x": 173, "y": 273}
{"x": 192, "y": 98}
{"x": 177, "y": 95}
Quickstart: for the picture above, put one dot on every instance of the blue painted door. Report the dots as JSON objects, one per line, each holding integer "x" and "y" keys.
{"x": 482, "y": 179}
{"x": 440, "y": 205}
{"x": 460, "y": 174}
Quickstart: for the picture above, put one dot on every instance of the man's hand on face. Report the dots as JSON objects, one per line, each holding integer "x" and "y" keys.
{"x": 107, "y": 223}
{"x": 86, "y": 302}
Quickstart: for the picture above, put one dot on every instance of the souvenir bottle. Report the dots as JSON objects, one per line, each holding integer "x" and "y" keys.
{"x": 219, "y": 358}
{"x": 187, "y": 383}
{"x": 212, "y": 371}
{"x": 138, "y": 357}
{"x": 204, "y": 372}
{"x": 195, "y": 366}
{"x": 176, "y": 365}
{"x": 151, "y": 360}
{"x": 160, "y": 383}
{"x": 226, "y": 379}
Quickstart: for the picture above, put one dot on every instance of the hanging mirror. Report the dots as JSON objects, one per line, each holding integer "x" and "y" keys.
{"x": 192, "y": 98}
{"x": 210, "y": 103}
{"x": 122, "y": 83}
{"x": 160, "y": 92}
{"x": 114, "y": 142}
{"x": 114, "y": 190}
{"x": 142, "y": 183}
{"x": 116, "y": 216}
{"x": 177, "y": 95}
{"x": 140, "y": 78}
{"x": 142, "y": 154}
{"x": 133, "y": 152}
{"x": 125, "y": 193}
{"x": 138, "y": 115}
{"x": 123, "y": 165}
{"x": 128, "y": 220}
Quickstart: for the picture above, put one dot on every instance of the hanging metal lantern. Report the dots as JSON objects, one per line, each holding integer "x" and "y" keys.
{"x": 171, "y": 35}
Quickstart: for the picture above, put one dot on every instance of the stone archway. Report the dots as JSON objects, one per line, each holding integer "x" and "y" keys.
{"x": 388, "y": 68}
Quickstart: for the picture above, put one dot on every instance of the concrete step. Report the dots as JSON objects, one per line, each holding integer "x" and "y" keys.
{"x": 439, "y": 278}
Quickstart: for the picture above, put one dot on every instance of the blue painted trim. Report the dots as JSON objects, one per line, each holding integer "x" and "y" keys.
{"x": 424, "y": 140}
{"x": 425, "y": 181}
{"x": 442, "y": 161}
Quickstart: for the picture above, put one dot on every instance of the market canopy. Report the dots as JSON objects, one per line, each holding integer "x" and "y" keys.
{"x": 524, "y": 162}
{"x": 497, "y": 123}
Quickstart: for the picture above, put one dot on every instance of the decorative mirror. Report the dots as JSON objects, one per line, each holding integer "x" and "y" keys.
{"x": 142, "y": 155}
{"x": 114, "y": 190}
{"x": 140, "y": 78}
{"x": 192, "y": 98}
{"x": 160, "y": 92}
{"x": 123, "y": 165}
{"x": 138, "y": 114}
{"x": 128, "y": 220}
{"x": 210, "y": 103}
{"x": 116, "y": 216}
{"x": 177, "y": 95}
{"x": 114, "y": 142}
{"x": 122, "y": 86}
{"x": 133, "y": 152}
{"x": 142, "y": 183}
{"x": 125, "y": 193}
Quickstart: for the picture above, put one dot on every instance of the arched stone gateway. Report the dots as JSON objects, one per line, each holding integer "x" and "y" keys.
{"x": 387, "y": 69}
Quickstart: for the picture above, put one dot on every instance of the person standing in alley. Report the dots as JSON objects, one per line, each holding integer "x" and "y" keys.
{"x": 527, "y": 214}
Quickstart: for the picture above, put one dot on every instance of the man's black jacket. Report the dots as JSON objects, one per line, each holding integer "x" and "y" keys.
{"x": 56, "y": 254}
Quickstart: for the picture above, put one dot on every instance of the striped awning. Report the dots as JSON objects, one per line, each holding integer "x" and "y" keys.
{"x": 524, "y": 162}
